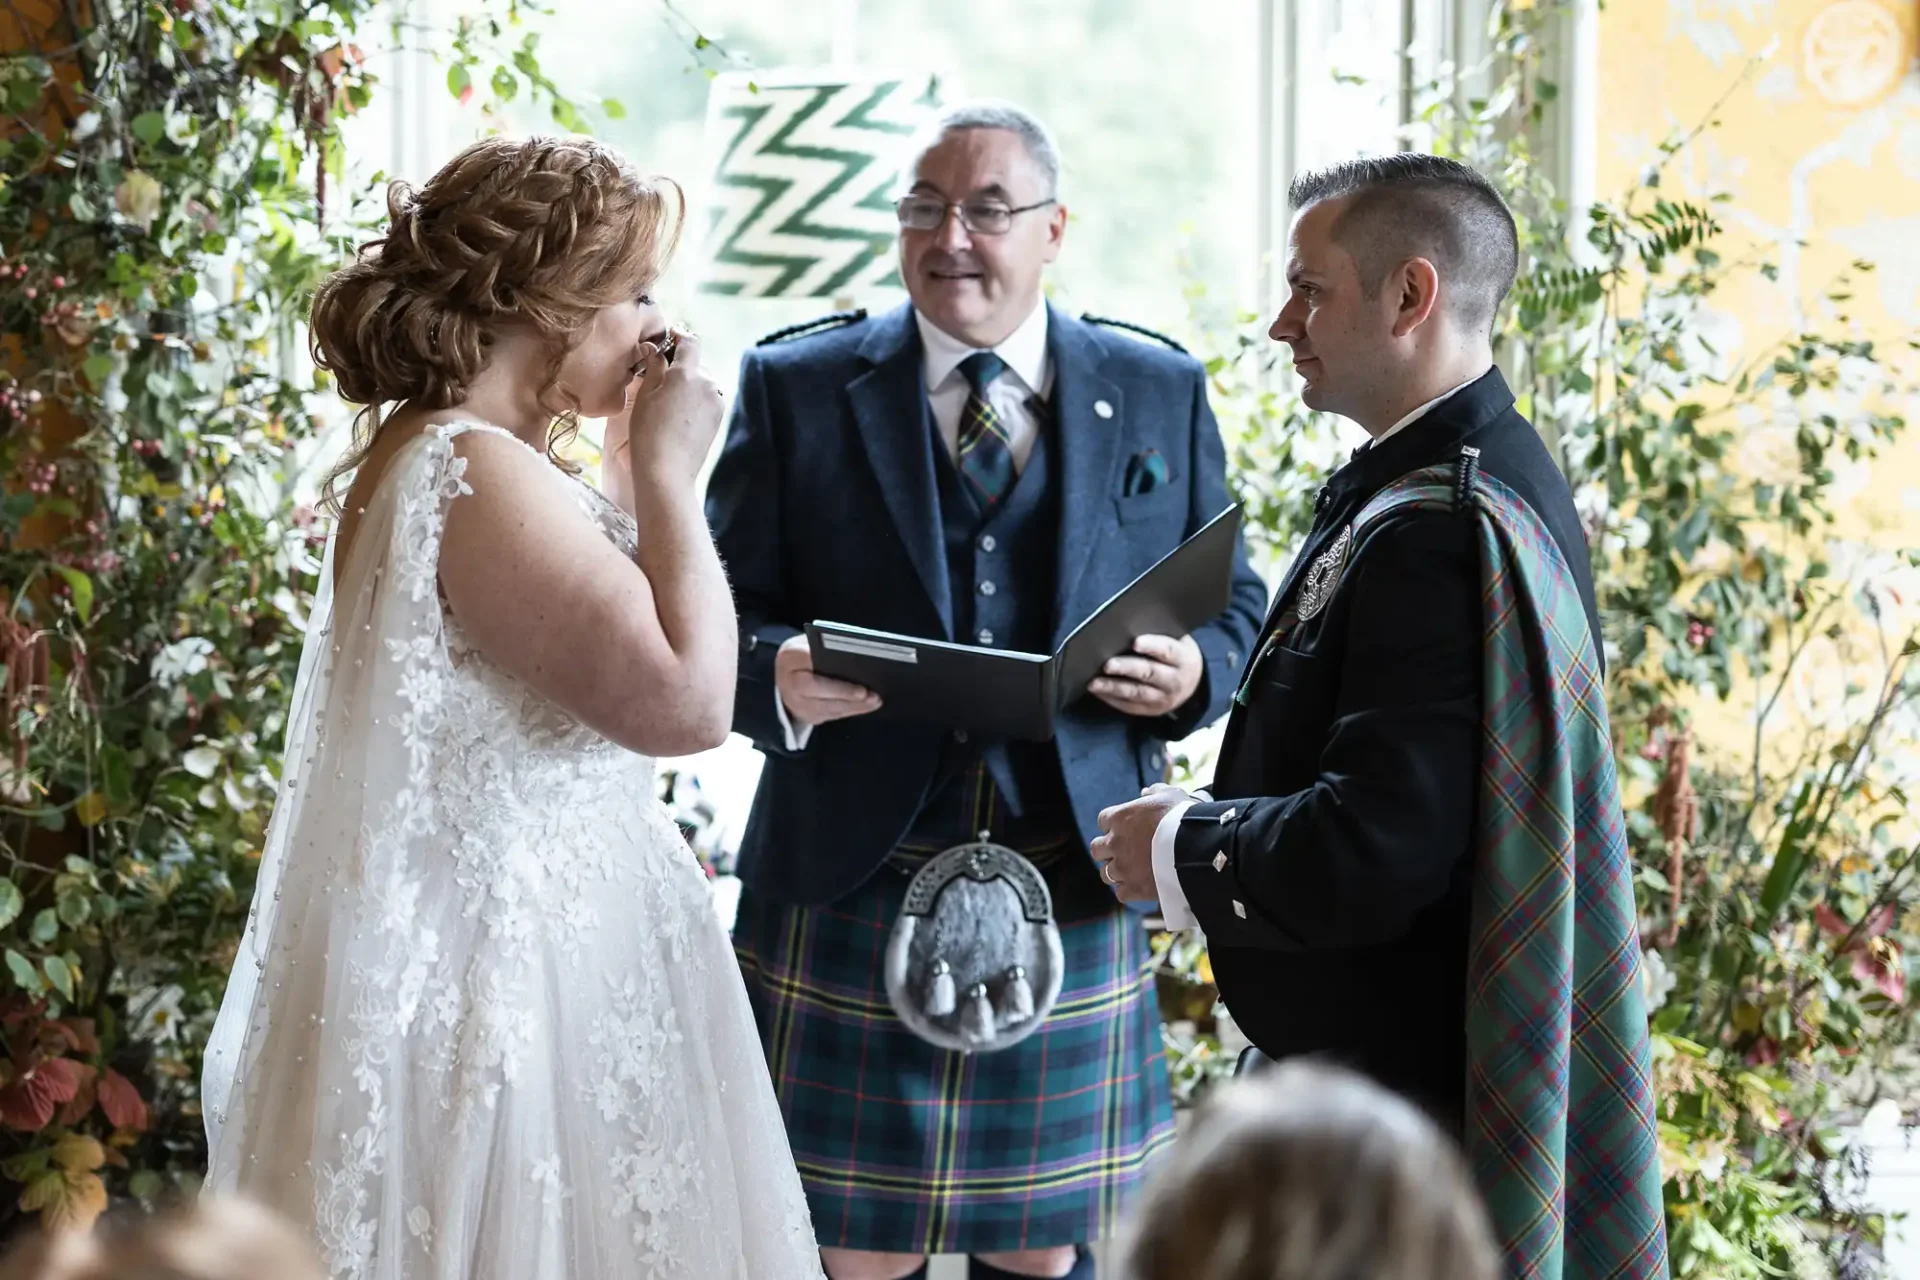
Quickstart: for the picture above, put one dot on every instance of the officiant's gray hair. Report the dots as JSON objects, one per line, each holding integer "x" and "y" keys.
{"x": 991, "y": 113}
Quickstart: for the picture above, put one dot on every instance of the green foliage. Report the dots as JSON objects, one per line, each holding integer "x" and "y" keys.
{"x": 1775, "y": 866}
{"x": 164, "y": 213}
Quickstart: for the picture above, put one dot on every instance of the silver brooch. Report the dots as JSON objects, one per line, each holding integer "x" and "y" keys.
{"x": 1323, "y": 575}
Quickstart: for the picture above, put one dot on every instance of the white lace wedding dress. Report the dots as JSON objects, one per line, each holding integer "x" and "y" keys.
{"x": 485, "y": 1023}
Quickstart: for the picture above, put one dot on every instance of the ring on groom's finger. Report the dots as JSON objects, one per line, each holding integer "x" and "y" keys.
{"x": 1106, "y": 873}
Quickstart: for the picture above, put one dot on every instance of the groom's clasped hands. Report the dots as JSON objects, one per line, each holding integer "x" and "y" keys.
{"x": 1124, "y": 847}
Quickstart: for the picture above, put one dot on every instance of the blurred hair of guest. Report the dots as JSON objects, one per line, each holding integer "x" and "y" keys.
{"x": 215, "y": 1239}
{"x": 1308, "y": 1172}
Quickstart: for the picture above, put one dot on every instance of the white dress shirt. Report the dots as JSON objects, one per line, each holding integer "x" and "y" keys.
{"x": 1028, "y": 375}
{"x": 1174, "y": 907}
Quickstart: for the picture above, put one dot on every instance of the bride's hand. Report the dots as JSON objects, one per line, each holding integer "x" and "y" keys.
{"x": 675, "y": 415}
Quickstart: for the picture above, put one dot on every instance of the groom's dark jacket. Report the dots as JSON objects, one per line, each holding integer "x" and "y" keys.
{"x": 1330, "y": 871}
{"x": 825, "y": 505}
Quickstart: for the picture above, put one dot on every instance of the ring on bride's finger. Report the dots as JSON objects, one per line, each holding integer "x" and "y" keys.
{"x": 1106, "y": 873}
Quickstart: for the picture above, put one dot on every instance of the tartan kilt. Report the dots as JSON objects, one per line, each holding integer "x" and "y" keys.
{"x": 906, "y": 1148}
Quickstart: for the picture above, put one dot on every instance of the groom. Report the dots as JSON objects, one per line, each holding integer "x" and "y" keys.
{"x": 975, "y": 466}
{"x": 1412, "y": 859}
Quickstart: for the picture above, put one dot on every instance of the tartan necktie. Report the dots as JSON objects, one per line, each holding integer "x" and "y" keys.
{"x": 983, "y": 452}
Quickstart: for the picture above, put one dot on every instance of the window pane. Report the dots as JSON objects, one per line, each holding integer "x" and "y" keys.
{"x": 1155, "y": 114}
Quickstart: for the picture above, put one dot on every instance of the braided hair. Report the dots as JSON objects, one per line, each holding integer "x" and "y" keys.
{"x": 538, "y": 232}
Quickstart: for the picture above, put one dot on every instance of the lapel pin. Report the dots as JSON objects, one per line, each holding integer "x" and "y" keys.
{"x": 1101, "y": 409}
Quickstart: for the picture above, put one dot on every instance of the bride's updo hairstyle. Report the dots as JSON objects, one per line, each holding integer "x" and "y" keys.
{"x": 537, "y": 232}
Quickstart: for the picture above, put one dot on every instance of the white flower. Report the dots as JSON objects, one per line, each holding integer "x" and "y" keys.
{"x": 156, "y": 1015}
{"x": 1657, "y": 980}
{"x": 546, "y": 1176}
{"x": 1883, "y": 1118}
{"x": 181, "y": 659}
{"x": 420, "y": 1223}
{"x": 1713, "y": 1166}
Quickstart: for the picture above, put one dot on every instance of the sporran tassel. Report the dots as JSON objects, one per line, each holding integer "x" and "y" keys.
{"x": 976, "y": 1020}
{"x": 940, "y": 995}
{"x": 1019, "y": 995}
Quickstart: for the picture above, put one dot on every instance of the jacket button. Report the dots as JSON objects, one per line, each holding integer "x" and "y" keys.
{"x": 1239, "y": 909}
{"x": 985, "y": 637}
{"x": 987, "y": 543}
{"x": 959, "y": 735}
{"x": 987, "y": 588}
{"x": 1233, "y": 657}
{"x": 1155, "y": 760}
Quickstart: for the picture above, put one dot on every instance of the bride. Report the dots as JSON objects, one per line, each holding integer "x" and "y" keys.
{"x": 485, "y": 1022}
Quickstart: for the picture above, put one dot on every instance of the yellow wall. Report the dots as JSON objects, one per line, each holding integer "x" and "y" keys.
{"x": 1819, "y": 143}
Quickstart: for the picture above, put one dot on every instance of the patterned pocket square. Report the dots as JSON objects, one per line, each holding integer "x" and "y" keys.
{"x": 1145, "y": 472}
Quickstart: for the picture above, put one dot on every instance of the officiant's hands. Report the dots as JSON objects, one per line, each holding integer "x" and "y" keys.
{"x": 1124, "y": 847}
{"x": 812, "y": 698}
{"x": 1156, "y": 679}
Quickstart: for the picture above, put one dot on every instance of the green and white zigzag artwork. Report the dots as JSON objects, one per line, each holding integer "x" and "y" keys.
{"x": 800, "y": 201}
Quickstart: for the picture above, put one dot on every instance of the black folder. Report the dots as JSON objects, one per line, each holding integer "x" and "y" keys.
{"x": 1005, "y": 694}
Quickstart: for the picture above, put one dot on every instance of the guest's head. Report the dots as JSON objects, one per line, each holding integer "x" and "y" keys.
{"x": 1310, "y": 1173}
{"x": 213, "y": 1240}
{"x": 1397, "y": 267}
{"x": 535, "y": 253}
{"x": 980, "y": 219}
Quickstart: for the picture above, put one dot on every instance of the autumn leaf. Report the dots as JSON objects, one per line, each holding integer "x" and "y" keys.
{"x": 83, "y": 1099}
{"x": 1881, "y": 967}
{"x": 90, "y": 809}
{"x": 79, "y": 1032}
{"x": 78, "y": 1153}
{"x": 43, "y": 1189}
{"x": 29, "y": 1102}
{"x": 122, "y": 1103}
{"x": 138, "y": 198}
{"x": 79, "y": 1203}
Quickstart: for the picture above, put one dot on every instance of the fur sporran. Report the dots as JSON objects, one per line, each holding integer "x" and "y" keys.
{"x": 975, "y": 963}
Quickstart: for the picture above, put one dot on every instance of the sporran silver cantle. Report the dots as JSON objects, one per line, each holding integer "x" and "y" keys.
{"x": 975, "y": 962}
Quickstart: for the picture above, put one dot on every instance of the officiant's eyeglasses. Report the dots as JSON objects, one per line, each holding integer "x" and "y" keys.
{"x": 982, "y": 217}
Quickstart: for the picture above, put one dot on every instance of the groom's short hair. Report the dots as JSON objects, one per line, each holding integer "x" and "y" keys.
{"x": 1413, "y": 205}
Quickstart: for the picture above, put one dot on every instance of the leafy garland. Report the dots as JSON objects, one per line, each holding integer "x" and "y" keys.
{"x": 170, "y": 190}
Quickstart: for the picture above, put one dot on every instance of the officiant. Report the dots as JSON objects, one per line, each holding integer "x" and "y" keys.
{"x": 980, "y": 467}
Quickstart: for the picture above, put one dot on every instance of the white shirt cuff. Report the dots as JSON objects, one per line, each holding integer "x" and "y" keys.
{"x": 797, "y": 733}
{"x": 1174, "y": 909}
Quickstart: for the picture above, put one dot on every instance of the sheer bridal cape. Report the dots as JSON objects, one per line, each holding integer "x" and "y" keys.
{"x": 484, "y": 1023}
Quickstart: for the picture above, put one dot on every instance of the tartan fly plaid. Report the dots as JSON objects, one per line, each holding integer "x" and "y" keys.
{"x": 1560, "y": 1108}
{"x": 905, "y": 1148}
{"x": 983, "y": 449}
